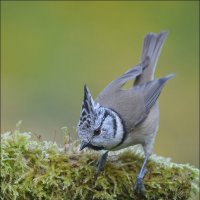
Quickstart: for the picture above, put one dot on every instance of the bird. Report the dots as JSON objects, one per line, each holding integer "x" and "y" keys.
{"x": 119, "y": 117}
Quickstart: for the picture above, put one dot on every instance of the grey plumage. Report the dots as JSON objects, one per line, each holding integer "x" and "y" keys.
{"x": 130, "y": 104}
{"x": 119, "y": 117}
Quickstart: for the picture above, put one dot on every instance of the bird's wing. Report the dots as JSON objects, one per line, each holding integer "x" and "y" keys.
{"x": 133, "y": 105}
{"x": 129, "y": 104}
{"x": 121, "y": 100}
{"x": 152, "y": 90}
{"x": 131, "y": 74}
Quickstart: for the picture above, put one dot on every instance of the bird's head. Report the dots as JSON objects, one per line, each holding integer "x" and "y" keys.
{"x": 98, "y": 127}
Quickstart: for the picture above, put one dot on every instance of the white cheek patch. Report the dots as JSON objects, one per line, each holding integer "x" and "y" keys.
{"x": 114, "y": 131}
{"x": 108, "y": 126}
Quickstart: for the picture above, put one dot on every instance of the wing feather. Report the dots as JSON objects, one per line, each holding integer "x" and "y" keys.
{"x": 152, "y": 91}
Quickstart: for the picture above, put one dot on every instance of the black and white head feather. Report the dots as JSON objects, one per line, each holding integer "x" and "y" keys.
{"x": 87, "y": 112}
{"x": 98, "y": 125}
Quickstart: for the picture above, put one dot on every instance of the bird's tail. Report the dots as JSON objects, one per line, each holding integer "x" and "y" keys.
{"x": 152, "y": 47}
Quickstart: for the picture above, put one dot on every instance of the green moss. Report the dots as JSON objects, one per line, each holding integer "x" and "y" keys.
{"x": 34, "y": 169}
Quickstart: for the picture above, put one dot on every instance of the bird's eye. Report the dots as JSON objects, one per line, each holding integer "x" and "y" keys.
{"x": 97, "y": 132}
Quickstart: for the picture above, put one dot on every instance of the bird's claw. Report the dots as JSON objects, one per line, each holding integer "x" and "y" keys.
{"x": 98, "y": 168}
{"x": 139, "y": 186}
{"x": 97, "y": 172}
{"x": 100, "y": 164}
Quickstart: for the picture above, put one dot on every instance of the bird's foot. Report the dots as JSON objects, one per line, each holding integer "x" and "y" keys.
{"x": 100, "y": 164}
{"x": 139, "y": 186}
{"x": 97, "y": 169}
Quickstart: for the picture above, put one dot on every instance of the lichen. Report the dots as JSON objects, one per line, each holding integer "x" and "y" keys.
{"x": 36, "y": 169}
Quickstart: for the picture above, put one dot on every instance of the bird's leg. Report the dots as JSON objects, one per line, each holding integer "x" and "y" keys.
{"x": 100, "y": 163}
{"x": 139, "y": 185}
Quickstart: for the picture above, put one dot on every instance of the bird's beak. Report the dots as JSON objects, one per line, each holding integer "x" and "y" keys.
{"x": 83, "y": 145}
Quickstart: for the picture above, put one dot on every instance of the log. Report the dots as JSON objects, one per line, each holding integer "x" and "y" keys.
{"x": 35, "y": 169}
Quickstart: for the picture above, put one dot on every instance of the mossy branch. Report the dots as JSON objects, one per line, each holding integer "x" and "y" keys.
{"x": 32, "y": 169}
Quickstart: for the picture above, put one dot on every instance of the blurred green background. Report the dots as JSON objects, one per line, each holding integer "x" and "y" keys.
{"x": 49, "y": 50}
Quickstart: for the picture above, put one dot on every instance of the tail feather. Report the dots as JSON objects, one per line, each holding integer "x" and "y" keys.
{"x": 152, "y": 47}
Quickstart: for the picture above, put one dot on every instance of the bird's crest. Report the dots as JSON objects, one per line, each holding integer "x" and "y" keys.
{"x": 87, "y": 112}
